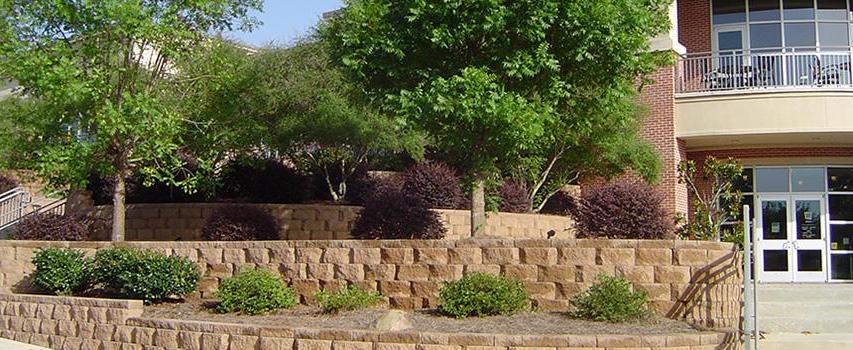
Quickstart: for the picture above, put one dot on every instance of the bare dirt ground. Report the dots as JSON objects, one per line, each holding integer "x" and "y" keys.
{"x": 423, "y": 321}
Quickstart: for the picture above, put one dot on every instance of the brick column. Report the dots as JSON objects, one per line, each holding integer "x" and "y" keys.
{"x": 694, "y": 25}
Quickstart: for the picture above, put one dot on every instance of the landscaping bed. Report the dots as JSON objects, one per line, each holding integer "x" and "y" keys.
{"x": 422, "y": 321}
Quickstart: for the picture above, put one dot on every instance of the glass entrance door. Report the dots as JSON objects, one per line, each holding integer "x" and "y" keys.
{"x": 792, "y": 241}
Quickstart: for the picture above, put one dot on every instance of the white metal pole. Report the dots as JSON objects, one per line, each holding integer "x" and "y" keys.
{"x": 747, "y": 276}
{"x": 755, "y": 328}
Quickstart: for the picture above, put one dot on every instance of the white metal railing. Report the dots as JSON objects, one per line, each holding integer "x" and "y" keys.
{"x": 13, "y": 206}
{"x": 765, "y": 69}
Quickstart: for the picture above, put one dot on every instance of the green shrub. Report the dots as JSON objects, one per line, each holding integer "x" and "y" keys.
{"x": 61, "y": 271}
{"x": 346, "y": 299}
{"x": 254, "y": 292}
{"x": 611, "y": 299}
{"x": 480, "y": 294}
{"x": 145, "y": 274}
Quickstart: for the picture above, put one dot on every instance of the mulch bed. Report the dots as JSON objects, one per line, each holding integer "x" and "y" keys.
{"x": 423, "y": 321}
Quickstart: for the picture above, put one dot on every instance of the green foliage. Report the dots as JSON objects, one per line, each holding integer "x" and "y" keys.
{"x": 346, "y": 299}
{"x": 145, "y": 274}
{"x": 480, "y": 294}
{"x": 254, "y": 292}
{"x": 611, "y": 299}
{"x": 61, "y": 271}
{"x": 716, "y": 199}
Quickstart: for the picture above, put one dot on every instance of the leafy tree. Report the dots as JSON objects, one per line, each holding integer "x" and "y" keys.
{"x": 716, "y": 199}
{"x": 502, "y": 86}
{"x": 97, "y": 71}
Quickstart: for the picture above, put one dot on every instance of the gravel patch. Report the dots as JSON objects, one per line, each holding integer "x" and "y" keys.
{"x": 423, "y": 321}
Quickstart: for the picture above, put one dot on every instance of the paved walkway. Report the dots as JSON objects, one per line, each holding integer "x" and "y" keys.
{"x": 7, "y": 344}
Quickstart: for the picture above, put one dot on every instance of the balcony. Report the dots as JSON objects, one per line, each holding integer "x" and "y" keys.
{"x": 765, "y": 70}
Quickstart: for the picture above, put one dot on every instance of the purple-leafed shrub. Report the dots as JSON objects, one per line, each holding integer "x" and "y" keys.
{"x": 367, "y": 184}
{"x": 389, "y": 214}
{"x": 561, "y": 203}
{"x": 435, "y": 184}
{"x": 53, "y": 227}
{"x": 622, "y": 209}
{"x": 513, "y": 197}
{"x": 264, "y": 181}
{"x": 7, "y": 183}
{"x": 241, "y": 223}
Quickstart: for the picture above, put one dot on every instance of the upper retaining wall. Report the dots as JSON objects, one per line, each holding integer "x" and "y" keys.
{"x": 695, "y": 281}
{"x": 168, "y": 222}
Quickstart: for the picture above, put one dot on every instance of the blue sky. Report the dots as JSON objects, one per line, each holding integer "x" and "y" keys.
{"x": 286, "y": 20}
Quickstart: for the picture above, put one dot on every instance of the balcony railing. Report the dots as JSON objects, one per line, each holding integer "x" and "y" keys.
{"x": 765, "y": 69}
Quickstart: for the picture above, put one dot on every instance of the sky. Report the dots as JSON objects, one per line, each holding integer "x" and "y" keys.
{"x": 285, "y": 21}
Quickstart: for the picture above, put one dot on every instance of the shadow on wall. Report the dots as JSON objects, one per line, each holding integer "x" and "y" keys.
{"x": 700, "y": 301}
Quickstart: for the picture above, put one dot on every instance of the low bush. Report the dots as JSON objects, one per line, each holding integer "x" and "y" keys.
{"x": 391, "y": 215}
{"x": 7, "y": 183}
{"x": 513, "y": 197}
{"x": 53, "y": 227}
{"x": 365, "y": 185}
{"x": 435, "y": 184}
{"x": 145, "y": 274}
{"x": 611, "y": 299}
{"x": 264, "y": 181}
{"x": 241, "y": 223}
{"x": 254, "y": 292}
{"x": 561, "y": 203}
{"x": 61, "y": 271}
{"x": 346, "y": 299}
{"x": 480, "y": 294}
{"x": 622, "y": 209}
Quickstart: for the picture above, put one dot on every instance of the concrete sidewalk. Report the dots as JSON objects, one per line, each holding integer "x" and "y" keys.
{"x": 7, "y": 344}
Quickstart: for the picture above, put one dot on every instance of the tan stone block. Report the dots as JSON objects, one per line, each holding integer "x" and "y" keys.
{"x": 143, "y": 336}
{"x": 312, "y": 344}
{"x": 27, "y": 310}
{"x": 471, "y": 339}
{"x": 336, "y": 255}
{"x": 445, "y": 272}
{"x": 691, "y": 257}
{"x": 166, "y": 338}
{"x": 66, "y": 328}
{"x": 104, "y": 331}
{"x": 491, "y": 268}
{"x": 654, "y": 256}
{"x": 47, "y": 326}
{"x": 672, "y": 274}
{"x": 619, "y": 341}
{"x": 437, "y": 347}
{"x": 431, "y": 256}
{"x": 44, "y": 311}
{"x": 539, "y": 256}
{"x": 211, "y": 341}
{"x": 385, "y": 272}
{"x": 589, "y": 273}
{"x": 395, "y": 288}
{"x": 568, "y": 290}
{"x": 320, "y": 271}
{"x": 500, "y": 256}
{"x": 541, "y": 289}
{"x": 521, "y": 272}
{"x": 282, "y": 254}
{"x": 244, "y": 342}
{"x": 615, "y": 256}
{"x": 210, "y": 255}
{"x": 366, "y": 256}
{"x": 220, "y": 270}
{"x": 305, "y": 287}
{"x": 576, "y": 256}
{"x": 399, "y": 256}
{"x": 39, "y": 340}
{"x": 637, "y": 274}
{"x": 308, "y": 255}
{"x": 234, "y": 256}
{"x": 292, "y": 271}
{"x": 413, "y": 272}
{"x": 349, "y": 272}
{"x": 465, "y": 256}
{"x": 557, "y": 273}
{"x": 258, "y": 255}
{"x": 656, "y": 291}
{"x": 425, "y": 289}
{"x": 683, "y": 340}
{"x": 273, "y": 343}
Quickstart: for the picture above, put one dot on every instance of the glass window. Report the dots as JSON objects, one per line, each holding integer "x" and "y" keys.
{"x": 800, "y": 35}
{"x": 744, "y": 182}
{"x": 775, "y": 260}
{"x": 833, "y": 34}
{"x": 771, "y": 179}
{"x": 774, "y": 219}
{"x": 841, "y": 237}
{"x": 763, "y": 10}
{"x": 841, "y": 207}
{"x": 840, "y": 179}
{"x": 832, "y": 9}
{"x": 807, "y": 179}
{"x": 842, "y": 266}
{"x": 809, "y": 260}
{"x": 798, "y": 9}
{"x": 728, "y": 41}
{"x": 729, "y": 11}
{"x": 768, "y": 35}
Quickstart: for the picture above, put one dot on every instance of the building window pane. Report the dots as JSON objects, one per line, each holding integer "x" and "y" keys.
{"x": 832, "y": 9}
{"x": 834, "y": 34}
{"x": 840, "y": 179}
{"x": 841, "y": 207}
{"x": 767, "y": 35}
{"x": 775, "y": 260}
{"x": 800, "y": 35}
{"x": 729, "y": 11}
{"x": 744, "y": 182}
{"x": 807, "y": 179}
{"x": 771, "y": 179}
{"x": 841, "y": 237}
{"x": 842, "y": 266}
{"x": 774, "y": 219}
{"x": 798, "y": 9}
{"x": 809, "y": 260}
{"x": 763, "y": 10}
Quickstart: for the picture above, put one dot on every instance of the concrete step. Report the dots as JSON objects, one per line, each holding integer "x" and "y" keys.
{"x": 810, "y": 323}
{"x": 805, "y": 292}
{"x": 800, "y": 341}
{"x": 841, "y": 308}
{"x": 798, "y": 308}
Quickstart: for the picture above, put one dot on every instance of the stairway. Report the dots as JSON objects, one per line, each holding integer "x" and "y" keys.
{"x": 19, "y": 202}
{"x": 806, "y": 316}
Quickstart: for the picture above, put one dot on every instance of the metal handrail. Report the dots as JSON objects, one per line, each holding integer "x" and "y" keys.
{"x": 765, "y": 69}
{"x": 13, "y": 206}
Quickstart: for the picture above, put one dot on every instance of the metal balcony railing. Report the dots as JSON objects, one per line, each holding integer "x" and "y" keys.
{"x": 764, "y": 69}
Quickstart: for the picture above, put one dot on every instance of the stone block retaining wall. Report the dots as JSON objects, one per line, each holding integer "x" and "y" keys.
{"x": 83, "y": 323}
{"x": 694, "y": 281}
{"x": 168, "y": 222}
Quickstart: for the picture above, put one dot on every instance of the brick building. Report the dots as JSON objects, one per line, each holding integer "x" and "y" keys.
{"x": 767, "y": 82}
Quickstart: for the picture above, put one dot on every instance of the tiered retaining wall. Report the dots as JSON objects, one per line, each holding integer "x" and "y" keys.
{"x": 694, "y": 281}
{"x": 82, "y": 323}
{"x": 168, "y": 222}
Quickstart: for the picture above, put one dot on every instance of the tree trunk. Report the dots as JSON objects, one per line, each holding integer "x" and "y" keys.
{"x": 119, "y": 209}
{"x": 478, "y": 208}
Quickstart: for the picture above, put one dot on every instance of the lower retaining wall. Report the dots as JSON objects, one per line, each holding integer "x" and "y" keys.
{"x": 183, "y": 221}
{"x": 699, "y": 282}
{"x": 83, "y": 323}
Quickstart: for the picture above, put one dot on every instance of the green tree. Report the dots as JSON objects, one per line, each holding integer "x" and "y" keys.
{"x": 506, "y": 85}
{"x": 98, "y": 70}
{"x": 716, "y": 198}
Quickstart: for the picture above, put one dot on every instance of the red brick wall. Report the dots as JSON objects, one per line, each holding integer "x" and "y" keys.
{"x": 694, "y": 25}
